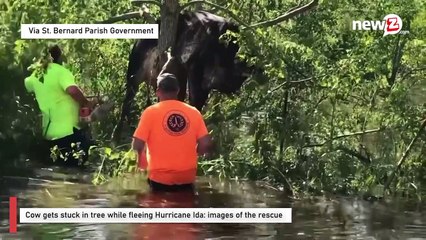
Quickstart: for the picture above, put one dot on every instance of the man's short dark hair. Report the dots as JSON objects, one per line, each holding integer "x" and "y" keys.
{"x": 55, "y": 51}
{"x": 167, "y": 83}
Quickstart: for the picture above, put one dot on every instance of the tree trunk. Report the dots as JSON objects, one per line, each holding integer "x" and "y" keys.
{"x": 169, "y": 22}
{"x": 284, "y": 119}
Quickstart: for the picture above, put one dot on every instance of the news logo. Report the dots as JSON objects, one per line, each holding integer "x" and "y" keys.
{"x": 391, "y": 24}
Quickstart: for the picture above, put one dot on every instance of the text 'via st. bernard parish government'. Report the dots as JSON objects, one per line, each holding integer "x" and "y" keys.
{"x": 89, "y": 31}
{"x": 155, "y": 215}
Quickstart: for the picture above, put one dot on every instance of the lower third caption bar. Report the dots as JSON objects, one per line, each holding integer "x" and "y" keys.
{"x": 155, "y": 215}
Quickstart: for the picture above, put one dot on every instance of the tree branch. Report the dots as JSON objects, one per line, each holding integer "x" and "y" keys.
{"x": 144, "y": 12}
{"x": 288, "y": 82}
{"x": 225, "y": 10}
{"x": 294, "y": 68}
{"x": 405, "y": 155}
{"x": 343, "y": 136}
{"x": 362, "y": 158}
{"x": 154, "y": 2}
{"x": 262, "y": 100}
{"x": 307, "y": 79}
{"x": 192, "y": 3}
{"x": 411, "y": 71}
{"x": 285, "y": 179}
{"x": 147, "y": 15}
{"x": 284, "y": 117}
{"x": 287, "y": 15}
{"x": 126, "y": 16}
{"x": 396, "y": 61}
{"x": 322, "y": 98}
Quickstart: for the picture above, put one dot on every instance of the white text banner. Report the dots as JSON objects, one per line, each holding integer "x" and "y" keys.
{"x": 155, "y": 215}
{"x": 89, "y": 31}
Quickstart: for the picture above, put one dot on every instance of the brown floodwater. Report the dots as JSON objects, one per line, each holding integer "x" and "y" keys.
{"x": 313, "y": 218}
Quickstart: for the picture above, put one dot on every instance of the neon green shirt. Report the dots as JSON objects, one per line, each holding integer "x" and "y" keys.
{"x": 59, "y": 110}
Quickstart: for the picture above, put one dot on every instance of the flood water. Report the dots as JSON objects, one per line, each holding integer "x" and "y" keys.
{"x": 316, "y": 218}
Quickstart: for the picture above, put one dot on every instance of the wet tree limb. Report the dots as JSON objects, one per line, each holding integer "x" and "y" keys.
{"x": 292, "y": 13}
{"x": 343, "y": 136}
{"x": 405, "y": 155}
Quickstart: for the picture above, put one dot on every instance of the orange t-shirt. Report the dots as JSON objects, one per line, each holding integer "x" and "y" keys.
{"x": 170, "y": 130}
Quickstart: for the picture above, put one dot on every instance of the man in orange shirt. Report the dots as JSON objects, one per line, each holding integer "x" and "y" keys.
{"x": 174, "y": 134}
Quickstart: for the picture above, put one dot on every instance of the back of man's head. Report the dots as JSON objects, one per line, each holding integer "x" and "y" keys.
{"x": 167, "y": 83}
{"x": 55, "y": 52}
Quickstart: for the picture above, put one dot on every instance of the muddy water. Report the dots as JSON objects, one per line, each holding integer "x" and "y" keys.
{"x": 318, "y": 218}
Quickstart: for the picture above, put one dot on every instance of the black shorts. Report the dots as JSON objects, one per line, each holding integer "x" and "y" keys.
{"x": 159, "y": 187}
{"x": 72, "y": 155}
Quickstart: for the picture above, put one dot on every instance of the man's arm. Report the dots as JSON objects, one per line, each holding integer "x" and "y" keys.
{"x": 68, "y": 84}
{"x": 205, "y": 145}
{"x": 29, "y": 84}
{"x": 138, "y": 145}
{"x": 140, "y": 137}
{"x": 204, "y": 140}
{"x": 78, "y": 96}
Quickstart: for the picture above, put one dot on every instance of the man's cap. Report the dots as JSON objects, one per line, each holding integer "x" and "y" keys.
{"x": 167, "y": 82}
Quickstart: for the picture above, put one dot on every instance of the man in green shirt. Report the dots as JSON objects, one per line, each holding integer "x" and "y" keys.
{"x": 59, "y": 100}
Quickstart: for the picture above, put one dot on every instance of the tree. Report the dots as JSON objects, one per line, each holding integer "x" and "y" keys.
{"x": 169, "y": 12}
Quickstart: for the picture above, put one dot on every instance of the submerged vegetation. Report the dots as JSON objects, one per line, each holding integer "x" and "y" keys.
{"x": 337, "y": 112}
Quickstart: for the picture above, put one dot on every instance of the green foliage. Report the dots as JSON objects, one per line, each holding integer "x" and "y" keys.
{"x": 99, "y": 66}
{"x": 342, "y": 84}
{"x": 114, "y": 162}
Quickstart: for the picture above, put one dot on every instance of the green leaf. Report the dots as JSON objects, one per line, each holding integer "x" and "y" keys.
{"x": 108, "y": 151}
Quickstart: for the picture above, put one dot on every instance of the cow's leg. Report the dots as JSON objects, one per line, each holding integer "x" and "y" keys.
{"x": 182, "y": 89}
{"x": 174, "y": 67}
{"x": 182, "y": 76}
{"x": 131, "y": 90}
{"x": 197, "y": 95}
{"x": 148, "y": 95}
{"x": 134, "y": 74}
{"x": 132, "y": 87}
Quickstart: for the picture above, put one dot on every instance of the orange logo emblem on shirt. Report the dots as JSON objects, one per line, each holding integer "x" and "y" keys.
{"x": 175, "y": 123}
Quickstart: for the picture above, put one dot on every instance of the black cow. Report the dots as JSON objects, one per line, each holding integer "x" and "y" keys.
{"x": 199, "y": 59}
